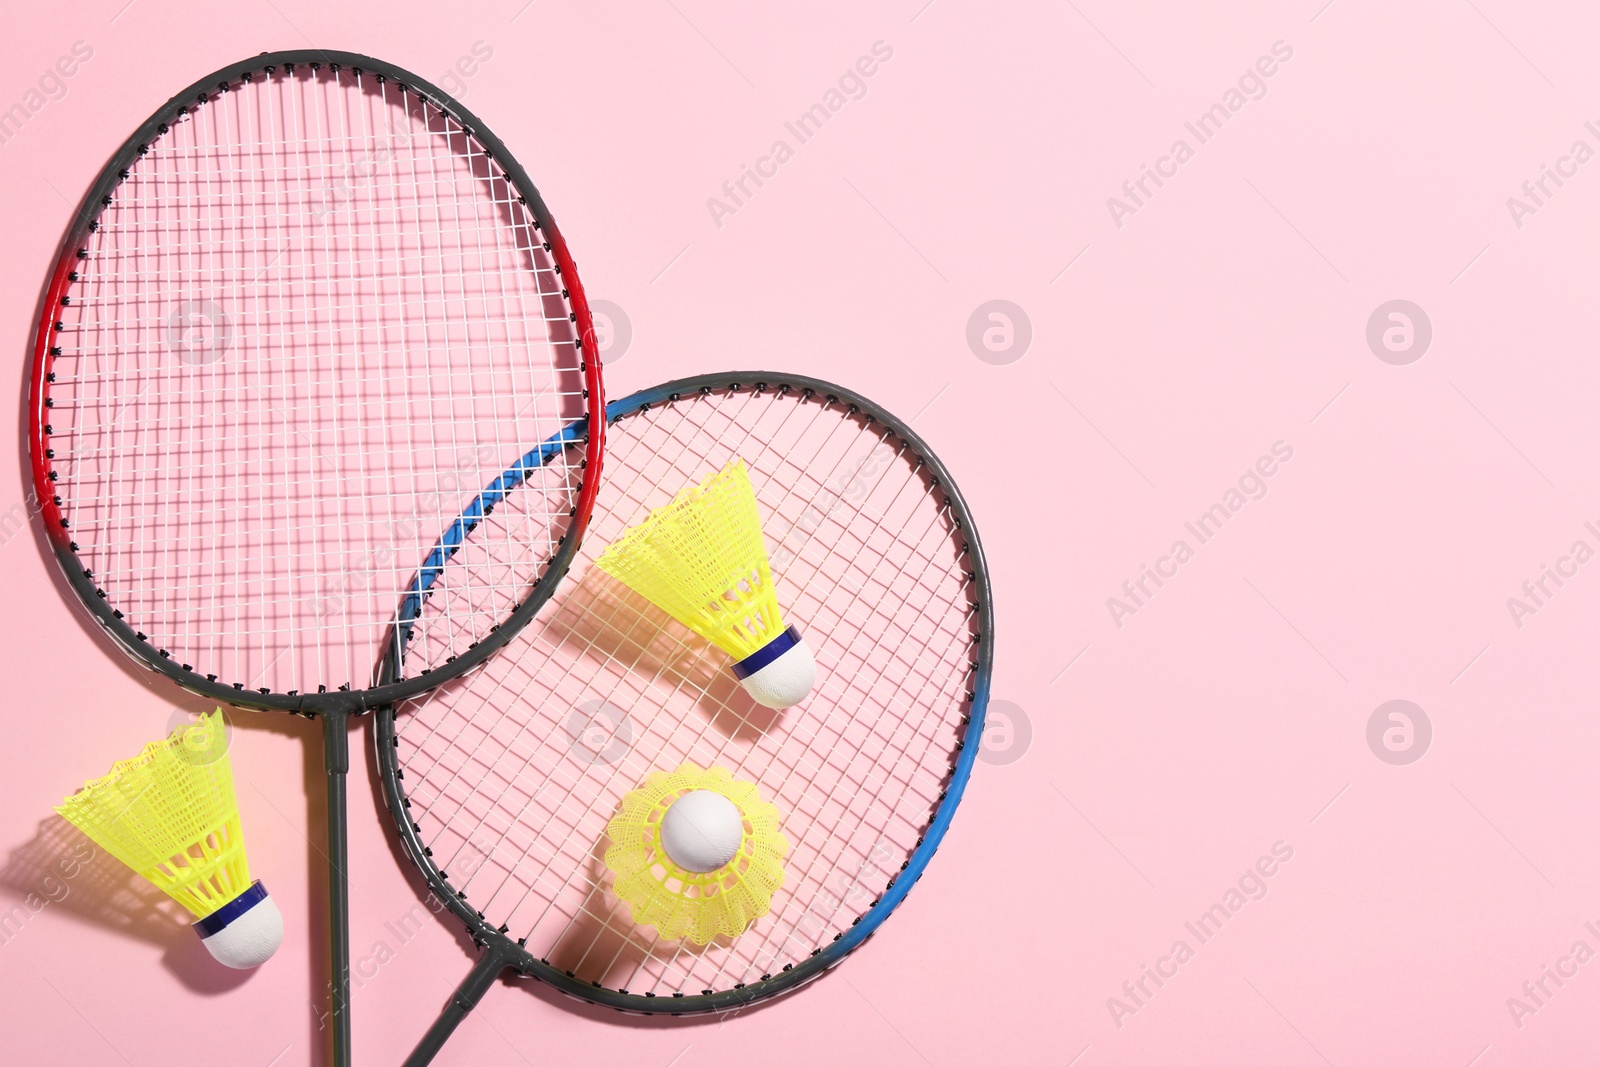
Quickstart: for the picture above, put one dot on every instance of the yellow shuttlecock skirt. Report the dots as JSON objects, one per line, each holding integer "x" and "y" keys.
{"x": 702, "y": 560}
{"x": 170, "y": 814}
{"x": 681, "y": 903}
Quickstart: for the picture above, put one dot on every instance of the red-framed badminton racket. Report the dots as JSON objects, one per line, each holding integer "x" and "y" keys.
{"x": 307, "y": 312}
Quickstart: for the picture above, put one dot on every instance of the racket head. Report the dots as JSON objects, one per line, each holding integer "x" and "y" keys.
{"x": 519, "y": 708}
{"x": 326, "y": 204}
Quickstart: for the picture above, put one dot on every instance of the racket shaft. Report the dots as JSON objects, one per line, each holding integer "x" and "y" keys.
{"x": 490, "y": 965}
{"x": 336, "y": 757}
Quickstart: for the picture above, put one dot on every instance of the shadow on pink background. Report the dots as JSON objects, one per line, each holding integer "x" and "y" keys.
{"x": 1159, "y": 745}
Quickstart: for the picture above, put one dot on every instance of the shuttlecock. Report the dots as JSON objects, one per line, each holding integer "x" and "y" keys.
{"x": 696, "y": 853}
{"x": 170, "y": 814}
{"x": 702, "y": 560}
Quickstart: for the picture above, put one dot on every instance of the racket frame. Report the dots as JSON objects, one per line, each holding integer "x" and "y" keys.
{"x": 501, "y": 953}
{"x": 334, "y": 707}
{"x": 351, "y": 701}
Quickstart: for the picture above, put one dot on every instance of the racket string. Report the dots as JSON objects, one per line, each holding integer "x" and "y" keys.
{"x": 796, "y": 771}
{"x": 432, "y": 796}
{"x": 744, "y": 445}
{"x": 241, "y": 337}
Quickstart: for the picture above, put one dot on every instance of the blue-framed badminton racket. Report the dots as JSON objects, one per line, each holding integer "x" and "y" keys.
{"x": 504, "y": 782}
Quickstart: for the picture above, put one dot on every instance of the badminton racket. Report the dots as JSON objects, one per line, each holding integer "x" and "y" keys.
{"x": 502, "y": 781}
{"x": 308, "y": 311}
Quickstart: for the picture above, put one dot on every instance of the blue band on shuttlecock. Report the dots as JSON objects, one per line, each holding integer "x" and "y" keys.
{"x": 766, "y": 653}
{"x": 219, "y": 919}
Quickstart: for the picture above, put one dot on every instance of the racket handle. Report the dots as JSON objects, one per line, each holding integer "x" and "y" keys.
{"x": 489, "y": 967}
{"x": 336, "y": 758}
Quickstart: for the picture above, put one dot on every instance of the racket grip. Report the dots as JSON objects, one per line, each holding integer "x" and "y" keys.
{"x": 336, "y": 759}
{"x": 489, "y": 967}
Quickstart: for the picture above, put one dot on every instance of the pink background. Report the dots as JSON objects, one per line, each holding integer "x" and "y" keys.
{"x": 1169, "y": 753}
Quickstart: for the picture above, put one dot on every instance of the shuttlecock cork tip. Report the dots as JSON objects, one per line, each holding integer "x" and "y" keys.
{"x": 701, "y": 831}
{"x": 780, "y": 673}
{"x": 244, "y": 932}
